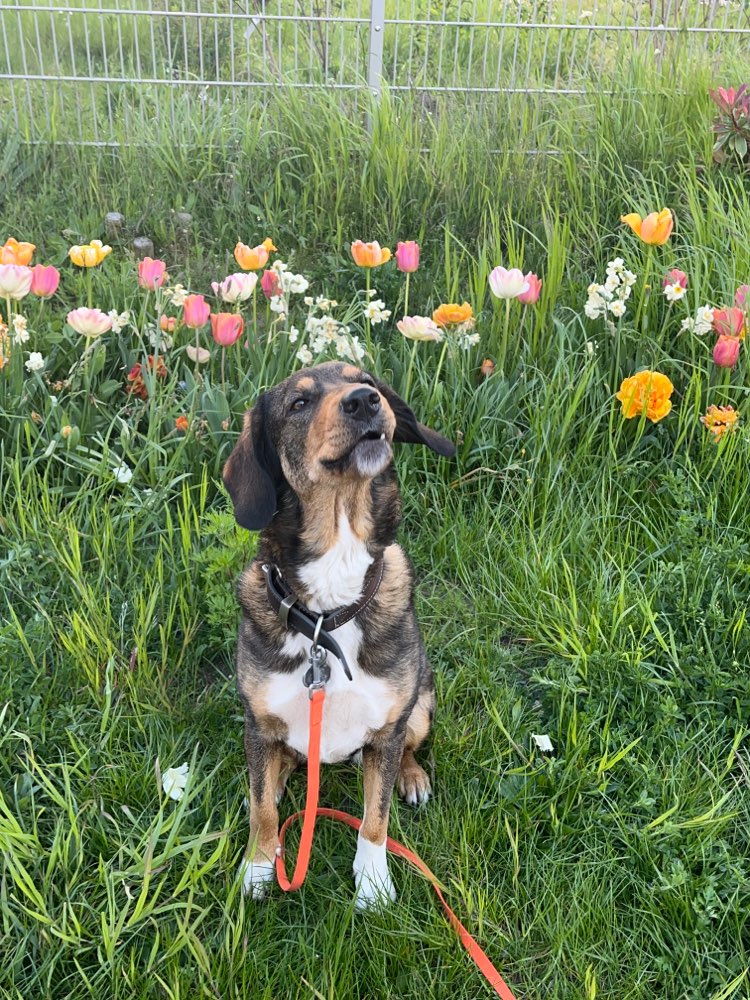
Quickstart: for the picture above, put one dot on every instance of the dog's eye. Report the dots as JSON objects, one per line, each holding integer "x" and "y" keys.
{"x": 300, "y": 404}
{"x": 367, "y": 381}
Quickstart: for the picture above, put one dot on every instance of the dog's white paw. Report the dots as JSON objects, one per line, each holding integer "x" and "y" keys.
{"x": 371, "y": 876}
{"x": 255, "y": 875}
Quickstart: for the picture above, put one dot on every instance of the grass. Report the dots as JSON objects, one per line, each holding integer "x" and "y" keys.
{"x": 579, "y": 575}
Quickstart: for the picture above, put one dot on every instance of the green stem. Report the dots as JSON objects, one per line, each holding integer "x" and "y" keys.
{"x": 223, "y": 360}
{"x": 406, "y": 295}
{"x": 89, "y": 287}
{"x": 435, "y": 381}
{"x": 410, "y": 369}
{"x": 368, "y": 334}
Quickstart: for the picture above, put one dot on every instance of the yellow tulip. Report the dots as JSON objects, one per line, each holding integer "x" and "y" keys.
{"x": 649, "y": 391}
{"x": 90, "y": 254}
{"x": 655, "y": 229}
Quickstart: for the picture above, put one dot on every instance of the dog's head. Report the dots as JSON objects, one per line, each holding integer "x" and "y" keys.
{"x": 328, "y": 423}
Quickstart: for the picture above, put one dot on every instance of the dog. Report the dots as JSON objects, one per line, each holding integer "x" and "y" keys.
{"x": 313, "y": 472}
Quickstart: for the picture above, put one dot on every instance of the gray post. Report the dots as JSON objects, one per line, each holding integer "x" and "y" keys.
{"x": 143, "y": 247}
{"x": 375, "y": 60}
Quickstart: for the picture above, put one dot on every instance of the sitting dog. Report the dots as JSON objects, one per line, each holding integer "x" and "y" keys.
{"x": 313, "y": 472}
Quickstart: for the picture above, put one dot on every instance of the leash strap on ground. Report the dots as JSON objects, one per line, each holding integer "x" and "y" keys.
{"x": 310, "y": 813}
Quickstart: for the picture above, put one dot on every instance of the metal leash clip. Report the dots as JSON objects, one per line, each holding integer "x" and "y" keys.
{"x": 318, "y": 673}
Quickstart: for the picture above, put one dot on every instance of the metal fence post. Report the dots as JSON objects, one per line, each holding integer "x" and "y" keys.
{"x": 375, "y": 59}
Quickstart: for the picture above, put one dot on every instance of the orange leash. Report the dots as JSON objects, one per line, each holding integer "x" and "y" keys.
{"x": 311, "y": 812}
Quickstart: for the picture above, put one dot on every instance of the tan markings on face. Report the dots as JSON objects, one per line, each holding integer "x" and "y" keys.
{"x": 305, "y": 384}
{"x": 349, "y": 371}
{"x": 326, "y": 435}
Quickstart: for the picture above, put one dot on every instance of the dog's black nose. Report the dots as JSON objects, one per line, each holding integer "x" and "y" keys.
{"x": 361, "y": 404}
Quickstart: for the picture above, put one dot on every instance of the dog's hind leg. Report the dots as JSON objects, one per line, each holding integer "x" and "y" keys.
{"x": 264, "y": 762}
{"x": 380, "y": 761}
{"x": 413, "y": 782}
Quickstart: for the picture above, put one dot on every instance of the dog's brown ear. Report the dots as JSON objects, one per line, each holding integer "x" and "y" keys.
{"x": 409, "y": 429}
{"x": 252, "y": 473}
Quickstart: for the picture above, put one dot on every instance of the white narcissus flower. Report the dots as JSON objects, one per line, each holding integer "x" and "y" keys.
{"x": 178, "y": 295}
{"x": 688, "y": 325}
{"x": 119, "y": 320}
{"x": 304, "y": 354}
{"x": 174, "y": 781}
{"x": 629, "y": 278}
{"x": 508, "y": 284}
{"x": 20, "y": 332}
{"x": 35, "y": 362}
{"x": 617, "y": 308}
{"x": 376, "y": 312}
{"x": 293, "y": 335}
{"x": 237, "y": 287}
{"x": 419, "y": 328}
{"x": 199, "y": 354}
{"x": 89, "y": 322}
{"x": 704, "y": 320}
{"x": 15, "y": 281}
{"x": 673, "y": 293}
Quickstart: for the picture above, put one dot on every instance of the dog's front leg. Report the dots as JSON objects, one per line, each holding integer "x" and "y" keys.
{"x": 264, "y": 760}
{"x": 381, "y": 761}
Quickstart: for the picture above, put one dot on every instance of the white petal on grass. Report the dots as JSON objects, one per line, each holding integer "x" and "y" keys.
{"x": 174, "y": 781}
{"x": 543, "y": 742}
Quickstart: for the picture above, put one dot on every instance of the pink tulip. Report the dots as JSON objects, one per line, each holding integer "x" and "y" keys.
{"x": 270, "y": 283}
{"x": 726, "y": 352}
{"x": 15, "y": 281}
{"x": 508, "y": 284}
{"x": 195, "y": 311}
{"x": 741, "y": 296}
{"x": 226, "y": 328}
{"x": 729, "y": 322}
{"x": 44, "y": 280}
{"x": 89, "y": 322}
{"x": 407, "y": 256}
{"x": 151, "y": 273}
{"x": 530, "y": 297}
{"x": 675, "y": 277}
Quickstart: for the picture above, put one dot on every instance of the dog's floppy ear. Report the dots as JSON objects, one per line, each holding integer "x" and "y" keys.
{"x": 252, "y": 473}
{"x": 409, "y": 429}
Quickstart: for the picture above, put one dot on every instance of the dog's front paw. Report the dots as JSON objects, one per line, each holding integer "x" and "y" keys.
{"x": 371, "y": 876}
{"x": 413, "y": 783}
{"x": 256, "y": 873}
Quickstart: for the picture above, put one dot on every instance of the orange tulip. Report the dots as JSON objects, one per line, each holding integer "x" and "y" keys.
{"x": 182, "y": 423}
{"x": 649, "y": 391}
{"x": 451, "y": 314}
{"x": 253, "y": 258}
{"x": 14, "y": 252}
{"x": 369, "y": 254}
{"x": 655, "y": 229}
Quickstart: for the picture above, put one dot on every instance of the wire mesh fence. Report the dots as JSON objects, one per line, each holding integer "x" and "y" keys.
{"x": 95, "y": 70}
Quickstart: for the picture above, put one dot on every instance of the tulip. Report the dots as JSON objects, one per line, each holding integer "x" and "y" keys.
{"x": 198, "y": 354}
{"x": 167, "y": 324}
{"x": 675, "y": 277}
{"x": 195, "y": 311}
{"x": 236, "y": 288}
{"x": 182, "y": 423}
{"x": 15, "y": 281}
{"x": 654, "y": 230}
{"x": 419, "y": 328}
{"x": 151, "y": 273}
{"x": 726, "y": 351}
{"x": 44, "y": 280}
{"x": 253, "y": 258}
{"x": 407, "y": 256}
{"x": 488, "y": 367}
{"x": 270, "y": 284}
{"x": 647, "y": 392}
{"x": 531, "y": 297}
{"x": 14, "y": 252}
{"x": 226, "y": 328}
{"x": 729, "y": 322}
{"x": 741, "y": 296}
{"x": 508, "y": 284}
{"x": 89, "y": 322}
{"x": 90, "y": 254}
{"x": 369, "y": 254}
{"x": 452, "y": 314}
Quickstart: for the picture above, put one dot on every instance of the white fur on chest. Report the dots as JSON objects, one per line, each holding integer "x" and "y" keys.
{"x": 337, "y": 577}
{"x": 352, "y": 709}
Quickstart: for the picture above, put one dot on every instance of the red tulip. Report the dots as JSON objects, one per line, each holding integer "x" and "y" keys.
{"x": 535, "y": 287}
{"x": 407, "y": 256}
{"x": 226, "y": 328}
{"x": 151, "y": 273}
{"x": 195, "y": 311}
{"x": 270, "y": 283}
{"x": 726, "y": 352}
{"x": 729, "y": 322}
{"x": 44, "y": 280}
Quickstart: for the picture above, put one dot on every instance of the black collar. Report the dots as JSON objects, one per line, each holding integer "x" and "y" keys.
{"x": 296, "y": 616}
